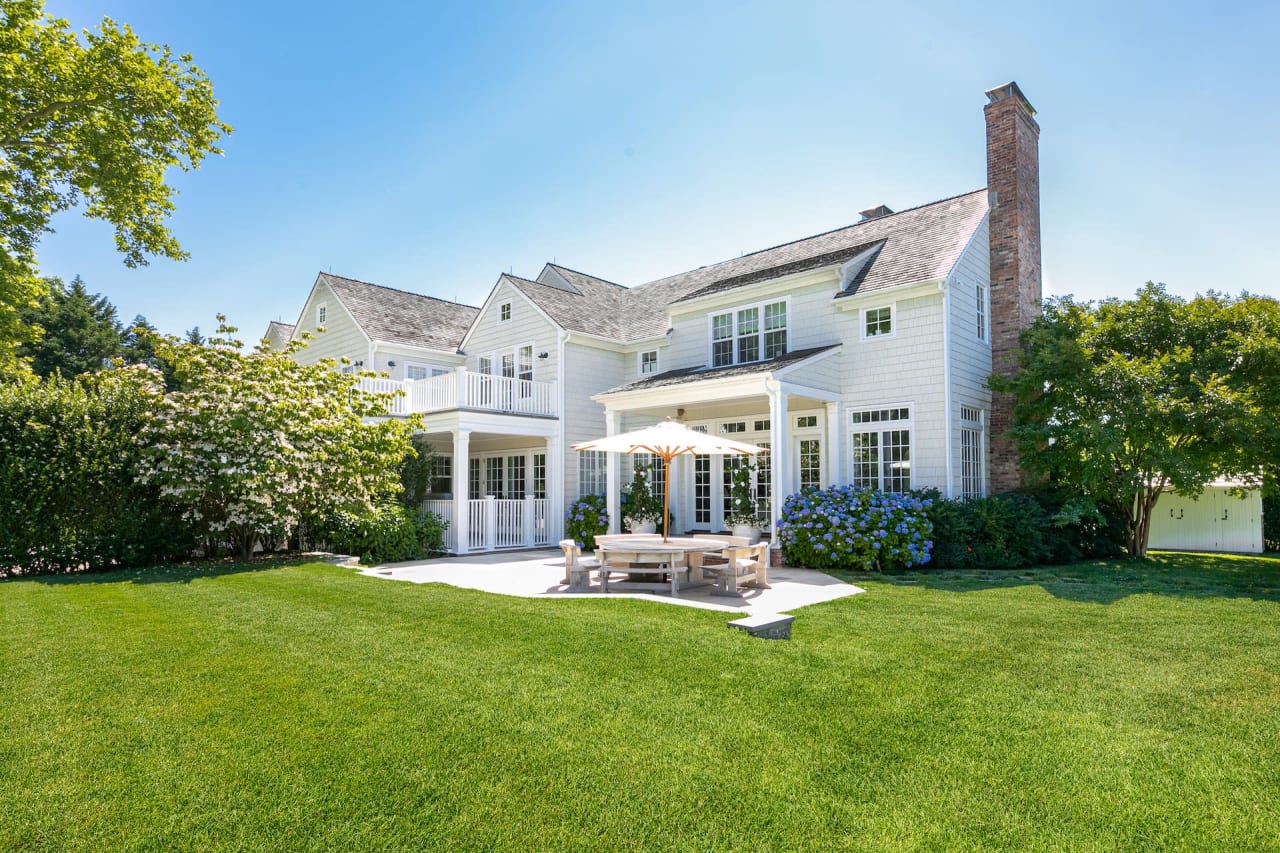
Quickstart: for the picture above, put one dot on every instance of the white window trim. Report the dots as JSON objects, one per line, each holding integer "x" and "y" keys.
{"x": 495, "y": 358}
{"x": 984, "y": 292}
{"x": 510, "y": 312}
{"x": 880, "y": 426}
{"x": 893, "y": 322}
{"x": 980, "y": 427}
{"x": 733, "y": 312}
{"x": 657, "y": 360}
{"x": 322, "y": 313}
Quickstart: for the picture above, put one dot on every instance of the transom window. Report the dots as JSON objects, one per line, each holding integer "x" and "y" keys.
{"x": 877, "y": 322}
{"x": 504, "y": 312}
{"x": 804, "y": 421}
{"x": 733, "y": 426}
{"x": 749, "y": 333}
{"x": 881, "y": 454}
{"x": 649, "y": 362}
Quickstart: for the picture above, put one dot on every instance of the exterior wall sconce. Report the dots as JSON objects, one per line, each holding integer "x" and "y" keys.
{"x": 391, "y": 364}
{"x": 359, "y": 364}
{"x": 544, "y": 355}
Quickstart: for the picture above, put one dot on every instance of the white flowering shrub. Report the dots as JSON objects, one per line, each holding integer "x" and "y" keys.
{"x": 251, "y": 446}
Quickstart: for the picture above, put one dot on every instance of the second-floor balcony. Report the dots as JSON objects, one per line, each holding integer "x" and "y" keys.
{"x": 465, "y": 389}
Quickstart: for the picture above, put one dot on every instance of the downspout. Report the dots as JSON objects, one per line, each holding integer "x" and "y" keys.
{"x": 561, "y": 500}
{"x": 945, "y": 287}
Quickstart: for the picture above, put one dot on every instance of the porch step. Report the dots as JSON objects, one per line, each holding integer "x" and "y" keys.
{"x": 766, "y": 626}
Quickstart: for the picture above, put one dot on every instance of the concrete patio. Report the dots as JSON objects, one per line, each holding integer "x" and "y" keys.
{"x": 537, "y": 574}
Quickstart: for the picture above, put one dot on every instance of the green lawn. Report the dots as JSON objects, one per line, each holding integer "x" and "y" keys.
{"x": 1098, "y": 706}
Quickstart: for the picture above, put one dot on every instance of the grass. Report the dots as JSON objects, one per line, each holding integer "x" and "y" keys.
{"x": 1097, "y": 706}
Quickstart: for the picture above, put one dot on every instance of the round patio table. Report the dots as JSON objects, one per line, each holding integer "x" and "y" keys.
{"x": 684, "y": 552}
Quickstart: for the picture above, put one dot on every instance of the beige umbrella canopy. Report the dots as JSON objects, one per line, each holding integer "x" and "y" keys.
{"x": 668, "y": 440}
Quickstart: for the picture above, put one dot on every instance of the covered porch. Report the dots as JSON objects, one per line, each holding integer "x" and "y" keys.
{"x": 788, "y": 405}
{"x": 498, "y": 480}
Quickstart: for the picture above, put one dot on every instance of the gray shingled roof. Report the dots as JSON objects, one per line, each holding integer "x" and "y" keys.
{"x": 286, "y": 329}
{"x": 401, "y": 317}
{"x": 684, "y": 375}
{"x": 598, "y": 307}
{"x": 918, "y": 244}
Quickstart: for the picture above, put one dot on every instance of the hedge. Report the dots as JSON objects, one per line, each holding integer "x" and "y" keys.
{"x": 69, "y": 495}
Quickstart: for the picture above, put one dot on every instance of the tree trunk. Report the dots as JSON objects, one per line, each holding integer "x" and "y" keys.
{"x": 1140, "y": 510}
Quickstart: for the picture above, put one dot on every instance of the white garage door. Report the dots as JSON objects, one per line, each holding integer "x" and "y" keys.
{"x": 1218, "y": 521}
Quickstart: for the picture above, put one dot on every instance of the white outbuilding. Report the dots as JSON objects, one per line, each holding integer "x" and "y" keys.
{"x": 1215, "y": 520}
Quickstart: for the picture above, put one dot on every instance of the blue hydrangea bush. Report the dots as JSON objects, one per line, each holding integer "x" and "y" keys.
{"x": 586, "y": 519}
{"x": 848, "y": 528}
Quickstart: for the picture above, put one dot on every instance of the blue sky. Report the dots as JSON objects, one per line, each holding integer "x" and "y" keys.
{"x": 431, "y": 147}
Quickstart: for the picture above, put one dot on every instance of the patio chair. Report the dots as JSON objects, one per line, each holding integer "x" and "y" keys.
{"x": 739, "y": 564}
{"x": 577, "y": 568}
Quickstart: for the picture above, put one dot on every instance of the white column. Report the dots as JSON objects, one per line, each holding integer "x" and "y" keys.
{"x": 780, "y": 454}
{"x": 527, "y": 502}
{"x": 611, "y": 480}
{"x": 490, "y": 522}
{"x": 555, "y": 489}
{"x": 461, "y": 489}
{"x": 834, "y": 446}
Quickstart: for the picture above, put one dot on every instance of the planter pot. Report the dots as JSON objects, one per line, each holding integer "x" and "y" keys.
{"x": 644, "y": 527}
{"x": 748, "y": 530}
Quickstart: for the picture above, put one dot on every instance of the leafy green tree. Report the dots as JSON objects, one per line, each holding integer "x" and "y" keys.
{"x": 80, "y": 332}
{"x": 194, "y": 337}
{"x": 253, "y": 445}
{"x": 94, "y": 119}
{"x": 1124, "y": 399}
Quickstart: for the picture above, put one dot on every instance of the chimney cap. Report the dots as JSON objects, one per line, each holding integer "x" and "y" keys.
{"x": 1009, "y": 90}
{"x": 875, "y": 212}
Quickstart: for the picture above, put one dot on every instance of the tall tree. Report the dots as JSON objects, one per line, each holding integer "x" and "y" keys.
{"x": 93, "y": 118}
{"x": 1127, "y": 398}
{"x": 80, "y": 330}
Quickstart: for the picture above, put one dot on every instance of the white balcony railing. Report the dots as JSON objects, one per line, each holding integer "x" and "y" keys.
{"x": 464, "y": 389}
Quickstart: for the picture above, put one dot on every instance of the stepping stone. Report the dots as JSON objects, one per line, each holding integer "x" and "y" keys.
{"x": 767, "y": 626}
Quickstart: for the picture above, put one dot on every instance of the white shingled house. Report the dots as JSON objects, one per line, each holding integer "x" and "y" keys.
{"x": 857, "y": 356}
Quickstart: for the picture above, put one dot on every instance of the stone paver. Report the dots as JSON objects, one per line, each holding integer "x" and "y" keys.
{"x": 537, "y": 574}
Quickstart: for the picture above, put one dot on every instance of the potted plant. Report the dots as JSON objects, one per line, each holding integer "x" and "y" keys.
{"x": 742, "y": 504}
{"x": 641, "y": 508}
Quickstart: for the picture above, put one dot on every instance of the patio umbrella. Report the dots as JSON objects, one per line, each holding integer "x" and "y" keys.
{"x": 668, "y": 440}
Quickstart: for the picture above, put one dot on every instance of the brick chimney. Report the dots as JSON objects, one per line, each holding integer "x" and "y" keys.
{"x": 1013, "y": 188}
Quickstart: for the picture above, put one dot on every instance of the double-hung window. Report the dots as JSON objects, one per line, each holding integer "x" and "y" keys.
{"x": 749, "y": 333}
{"x": 880, "y": 444}
{"x": 592, "y": 473}
{"x": 649, "y": 362}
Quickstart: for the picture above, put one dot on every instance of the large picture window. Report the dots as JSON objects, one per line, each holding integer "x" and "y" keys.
{"x": 881, "y": 449}
{"x": 749, "y": 333}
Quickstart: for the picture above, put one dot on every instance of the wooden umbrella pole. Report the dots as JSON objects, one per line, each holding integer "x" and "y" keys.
{"x": 666, "y": 491}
